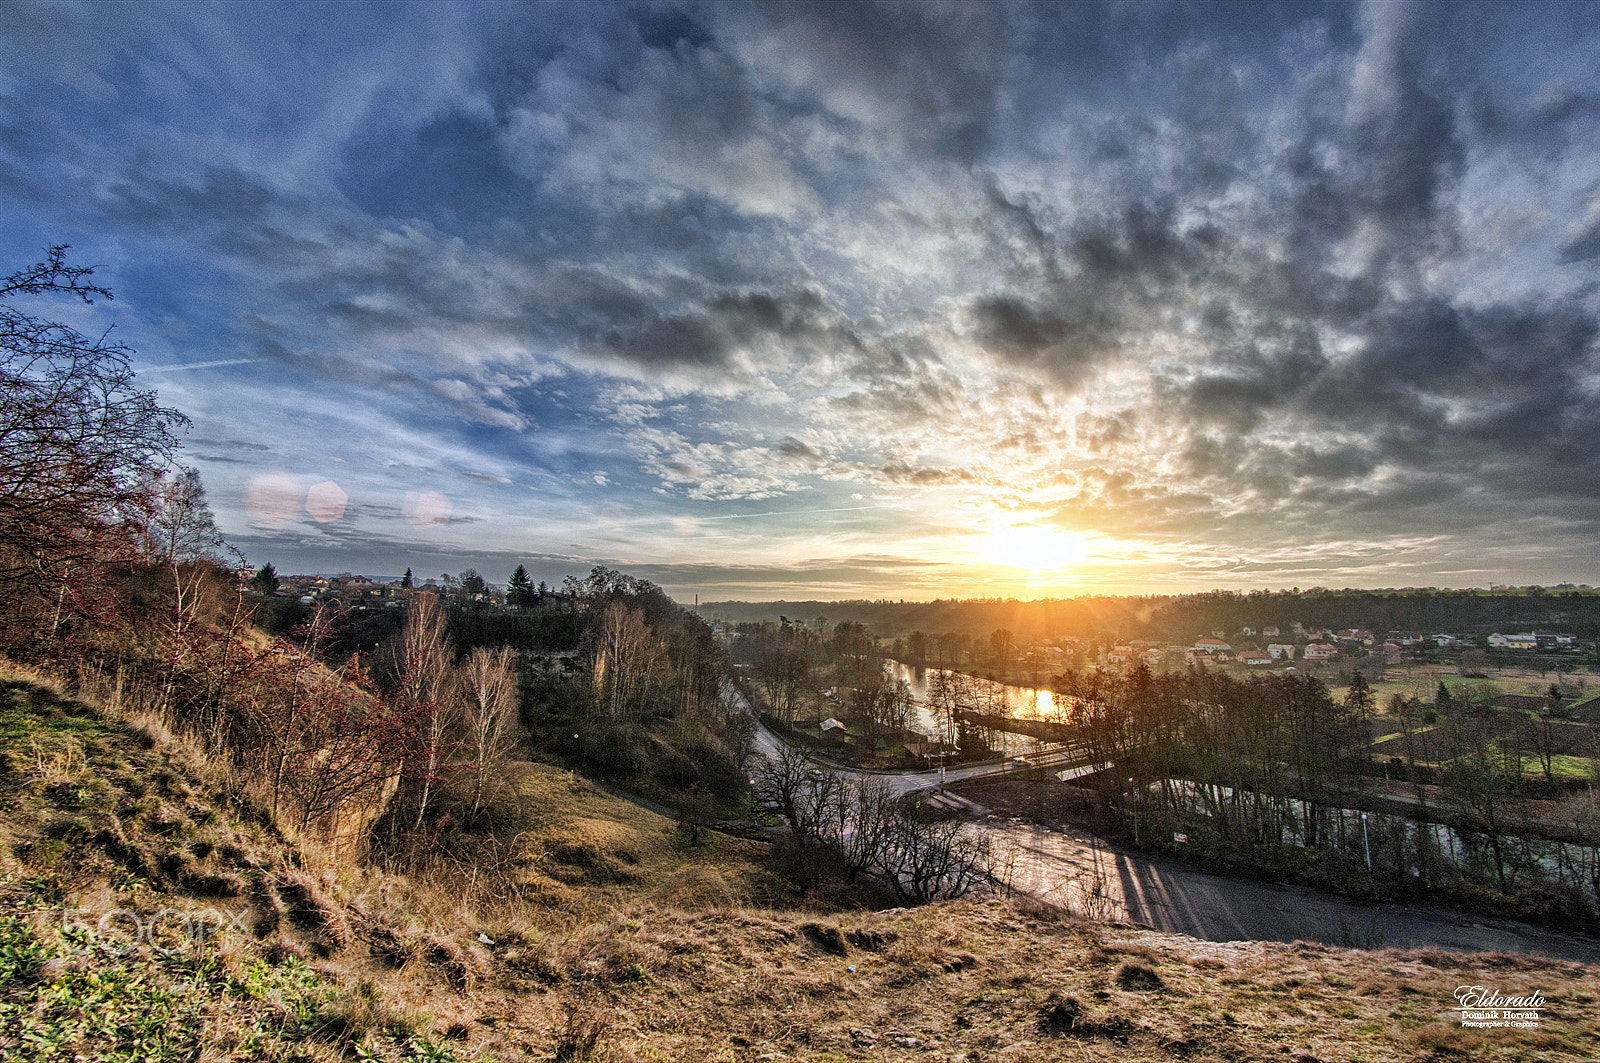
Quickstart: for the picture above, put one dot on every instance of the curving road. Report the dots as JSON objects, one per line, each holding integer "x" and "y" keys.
{"x": 1084, "y": 874}
{"x": 1066, "y": 868}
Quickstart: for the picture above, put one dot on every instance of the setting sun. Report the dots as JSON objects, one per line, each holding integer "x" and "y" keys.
{"x": 1035, "y": 548}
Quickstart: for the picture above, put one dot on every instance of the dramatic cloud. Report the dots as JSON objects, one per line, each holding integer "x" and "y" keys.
{"x": 743, "y": 295}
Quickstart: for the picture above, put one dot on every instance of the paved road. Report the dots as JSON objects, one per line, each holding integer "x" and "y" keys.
{"x": 1090, "y": 877}
{"x": 1065, "y": 868}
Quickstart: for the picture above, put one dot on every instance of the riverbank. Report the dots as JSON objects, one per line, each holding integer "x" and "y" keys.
{"x": 1052, "y": 843}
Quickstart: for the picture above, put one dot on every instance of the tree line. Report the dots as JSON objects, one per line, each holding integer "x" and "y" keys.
{"x": 1275, "y": 770}
{"x": 1179, "y": 618}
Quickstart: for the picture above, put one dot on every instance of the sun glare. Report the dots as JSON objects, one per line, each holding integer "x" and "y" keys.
{"x": 1035, "y": 548}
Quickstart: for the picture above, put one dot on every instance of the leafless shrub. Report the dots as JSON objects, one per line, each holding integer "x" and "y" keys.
{"x": 1089, "y": 895}
{"x": 869, "y": 829}
{"x": 582, "y": 1028}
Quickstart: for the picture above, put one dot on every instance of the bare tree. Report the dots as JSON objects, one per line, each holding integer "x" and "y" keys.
{"x": 178, "y": 532}
{"x": 926, "y": 859}
{"x": 872, "y": 830}
{"x": 783, "y": 673}
{"x": 76, "y": 436}
{"x": 420, "y": 660}
{"x": 489, "y": 718}
{"x": 883, "y": 704}
{"x": 1001, "y": 642}
{"x": 626, "y": 656}
{"x": 178, "y": 525}
{"x": 797, "y": 788}
{"x": 860, "y": 822}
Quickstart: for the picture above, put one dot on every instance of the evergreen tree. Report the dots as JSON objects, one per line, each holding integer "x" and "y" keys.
{"x": 1359, "y": 698}
{"x": 265, "y": 581}
{"x": 1443, "y": 693}
{"x": 519, "y": 589}
{"x": 1359, "y": 704}
{"x": 405, "y": 581}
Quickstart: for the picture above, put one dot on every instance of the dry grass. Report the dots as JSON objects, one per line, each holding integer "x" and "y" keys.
{"x": 596, "y": 935}
{"x": 983, "y": 980}
{"x": 26, "y": 673}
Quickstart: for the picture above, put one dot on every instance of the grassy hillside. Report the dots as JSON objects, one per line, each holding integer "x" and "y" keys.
{"x": 151, "y": 911}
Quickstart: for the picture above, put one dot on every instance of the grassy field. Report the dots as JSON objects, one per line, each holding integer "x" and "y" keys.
{"x": 601, "y": 935}
{"x": 1561, "y": 766}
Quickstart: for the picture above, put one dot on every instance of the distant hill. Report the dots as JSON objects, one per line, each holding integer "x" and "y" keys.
{"x": 1069, "y": 616}
{"x": 1180, "y": 617}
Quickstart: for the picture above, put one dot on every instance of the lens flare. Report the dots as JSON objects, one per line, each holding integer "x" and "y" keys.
{"x": 326, "y": 501}
{"x": 273, "y": 499}
{"x": 426, "y": 509}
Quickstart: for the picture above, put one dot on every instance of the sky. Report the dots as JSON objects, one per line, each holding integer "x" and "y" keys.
{"x": 763, "y": 301}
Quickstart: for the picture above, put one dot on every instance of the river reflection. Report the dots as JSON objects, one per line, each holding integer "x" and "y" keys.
{"x": 987, "y": 696}
{"x": 1000, "y": 699}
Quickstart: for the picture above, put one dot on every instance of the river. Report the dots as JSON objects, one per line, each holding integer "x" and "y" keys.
{"x": 987, "y": 696}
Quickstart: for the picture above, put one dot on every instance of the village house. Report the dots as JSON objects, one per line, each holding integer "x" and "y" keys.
{"x": 1320, "y": 651}
{"x": 1254, "y": 658}
{"x": 1280, "y": 651}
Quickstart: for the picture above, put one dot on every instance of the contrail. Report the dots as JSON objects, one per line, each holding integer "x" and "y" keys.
{"x": 787, "y": 512}
{"x": 196, "y": 365}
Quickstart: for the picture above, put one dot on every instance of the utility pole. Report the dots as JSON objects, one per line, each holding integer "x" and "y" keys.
{"x": 1135, "y": 813}
{"x": 1364, "y": 843}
